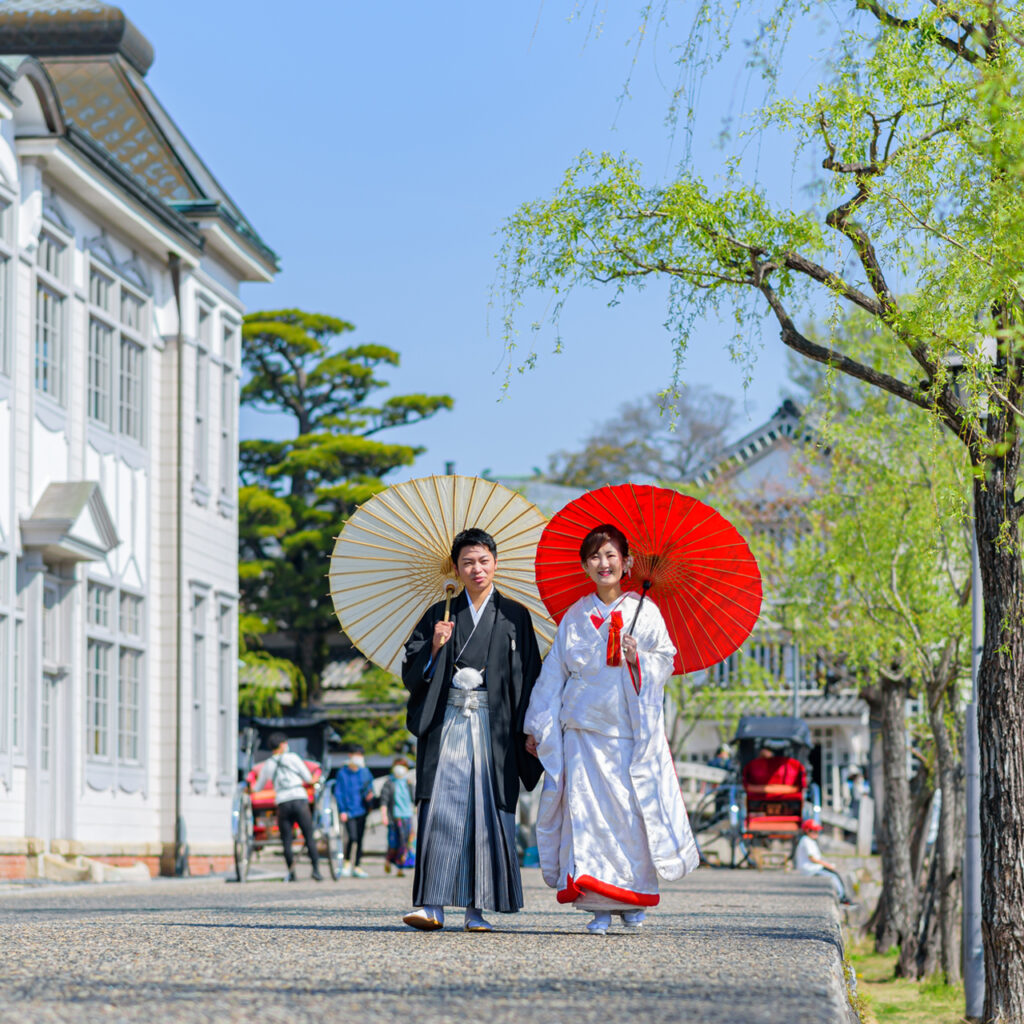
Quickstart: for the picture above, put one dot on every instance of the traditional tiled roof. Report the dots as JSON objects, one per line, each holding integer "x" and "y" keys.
{"x": 786, "y": 422}
{"x": 812, "y": 705}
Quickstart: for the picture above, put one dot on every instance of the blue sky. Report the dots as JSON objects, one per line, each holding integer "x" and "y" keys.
{"x": 379, "y": 147}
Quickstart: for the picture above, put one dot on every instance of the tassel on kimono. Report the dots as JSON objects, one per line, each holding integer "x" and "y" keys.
{"x": 615, "y": 639}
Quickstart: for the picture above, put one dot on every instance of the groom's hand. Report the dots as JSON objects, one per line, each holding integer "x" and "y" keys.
{"x": 531, "y": 745}
{"x": 442, "y": 634}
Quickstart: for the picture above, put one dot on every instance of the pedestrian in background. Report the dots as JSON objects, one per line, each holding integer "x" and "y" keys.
{"x": 722, "y": 759}
{"x": 807, "y": 860}
{"x": 287, "y": 774}
{"x": 353, "y": 790}
{"x": 396, "y": 812}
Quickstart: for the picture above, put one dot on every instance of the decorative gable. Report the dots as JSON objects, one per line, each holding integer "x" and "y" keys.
{"x": 70, "y": 523}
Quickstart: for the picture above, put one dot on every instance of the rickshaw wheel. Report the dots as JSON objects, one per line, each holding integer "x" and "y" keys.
{"x": 335, "y": 855}
{"x": 243, "y": 842}
{"x": 333, "y": 839}
{"x": 328, "y": 826}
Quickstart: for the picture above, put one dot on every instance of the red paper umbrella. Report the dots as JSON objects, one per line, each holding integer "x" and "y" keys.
{"x": 692, "y": 561}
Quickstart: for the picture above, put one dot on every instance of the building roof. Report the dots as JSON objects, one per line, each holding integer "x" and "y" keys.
{"x": 63, "y": 27}
{"x": 786, "y": 422}
{"x": 812, "y": 705}
{"x": 96, "y": 60}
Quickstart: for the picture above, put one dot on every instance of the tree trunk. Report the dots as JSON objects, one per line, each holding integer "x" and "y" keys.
{"x": 898, "y": 920}
{"x": 949, "y": 842}
{"x": 1000, "y": 696}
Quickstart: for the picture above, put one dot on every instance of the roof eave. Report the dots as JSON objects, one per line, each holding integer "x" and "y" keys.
{"x": 98, "y": 182}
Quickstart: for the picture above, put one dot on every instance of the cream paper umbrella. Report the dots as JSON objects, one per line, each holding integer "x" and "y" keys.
{"x": 392, "y": 560}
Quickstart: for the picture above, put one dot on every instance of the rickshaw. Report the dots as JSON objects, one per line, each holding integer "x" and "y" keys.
{"x": 771, "y": 796}
{"x": 253, "y": 817}
{"x": 766, "y": 810}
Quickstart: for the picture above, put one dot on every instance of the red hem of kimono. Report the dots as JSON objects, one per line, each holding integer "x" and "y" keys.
{"x": 577, "y": 887}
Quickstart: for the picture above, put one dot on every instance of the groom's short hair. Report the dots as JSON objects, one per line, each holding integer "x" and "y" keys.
{"x": 472, "y": 538}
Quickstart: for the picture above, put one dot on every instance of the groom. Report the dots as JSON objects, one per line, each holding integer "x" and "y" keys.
{"x": 469, "y": 683}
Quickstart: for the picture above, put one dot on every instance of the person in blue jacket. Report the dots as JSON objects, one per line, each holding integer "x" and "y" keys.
{"x": 353, "y": 790}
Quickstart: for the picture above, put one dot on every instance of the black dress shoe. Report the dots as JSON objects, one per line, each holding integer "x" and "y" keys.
{"x": 290, "y": 877}
{"x": 317, "y": 877}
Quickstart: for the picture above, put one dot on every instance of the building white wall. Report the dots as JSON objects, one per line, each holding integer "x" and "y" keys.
{"x": 43, "y": 443}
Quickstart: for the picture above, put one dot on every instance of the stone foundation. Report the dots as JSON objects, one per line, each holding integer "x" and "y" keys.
{"x": 28, "y": 857}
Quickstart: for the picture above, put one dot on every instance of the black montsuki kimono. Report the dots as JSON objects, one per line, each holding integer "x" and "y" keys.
{"x": 512, "y": 666}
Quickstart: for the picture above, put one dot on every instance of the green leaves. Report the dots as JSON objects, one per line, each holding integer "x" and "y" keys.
{"x": 297, "y": 492}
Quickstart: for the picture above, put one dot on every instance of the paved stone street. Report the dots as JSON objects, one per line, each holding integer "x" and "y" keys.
{"x": 724, "y": 946}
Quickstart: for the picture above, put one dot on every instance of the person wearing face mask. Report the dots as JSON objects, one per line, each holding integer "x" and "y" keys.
{"x": 353, "y": 790}
{"x": 611, "y": 820}
{"x": 396, "y": 812}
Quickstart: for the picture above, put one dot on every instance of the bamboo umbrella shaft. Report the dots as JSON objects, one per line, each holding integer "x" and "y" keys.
{"x": 448, "y": 591}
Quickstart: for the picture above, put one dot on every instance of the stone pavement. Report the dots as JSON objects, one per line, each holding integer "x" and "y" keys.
{"x": 723, "y": 946}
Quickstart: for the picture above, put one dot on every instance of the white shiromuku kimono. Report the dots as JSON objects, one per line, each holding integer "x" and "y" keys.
{"x": 611, "y": 819}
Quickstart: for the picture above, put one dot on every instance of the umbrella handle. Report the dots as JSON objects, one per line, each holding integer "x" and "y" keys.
{"x": 647, "y": 586}
{"x": 448, "y": 591}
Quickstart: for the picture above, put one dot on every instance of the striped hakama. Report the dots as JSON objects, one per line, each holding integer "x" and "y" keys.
{"x": 466, "y": 849}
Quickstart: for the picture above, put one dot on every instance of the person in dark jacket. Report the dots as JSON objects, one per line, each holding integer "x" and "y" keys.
{"x": 469, "y": 683}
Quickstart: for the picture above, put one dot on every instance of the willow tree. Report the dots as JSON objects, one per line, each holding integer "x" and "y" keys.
{"x": 917, "y": 222}
{"x": 297, "y": 492}
{"x": 881, "y": 570}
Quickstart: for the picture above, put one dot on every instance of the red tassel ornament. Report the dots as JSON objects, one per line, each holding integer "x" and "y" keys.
{"x": 615, "y": 638}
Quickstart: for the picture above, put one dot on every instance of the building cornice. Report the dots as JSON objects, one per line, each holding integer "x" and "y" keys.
{"x": 78, "y": 168}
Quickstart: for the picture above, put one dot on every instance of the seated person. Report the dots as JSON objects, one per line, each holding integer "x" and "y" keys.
{"x": 808, "y": 861}
{"x": 769, "y": 768}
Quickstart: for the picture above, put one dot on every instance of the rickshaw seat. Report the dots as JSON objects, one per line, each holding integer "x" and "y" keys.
{"x": 787, "y": 823}
{"x": 773, "y": 791}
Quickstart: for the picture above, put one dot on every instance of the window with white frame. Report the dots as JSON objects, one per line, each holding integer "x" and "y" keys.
{"x": 5, "y": 695}
{"x": 228, "y": 476}
{"x": 97, "y": 698}
{"x": 225, "y": 693}
{"x": 6, "y": 263}
{"x": 131, "y": 614}
{"x": 198, "y": 716}
{"x": 18, "y": 689}
{"x": 131, "y": 405}
{"x": 116, "y": 677}
{"x": 129, "y": 706}
{"x": 98, "y": 397}
{"x": 97, "y": 605}
{"x": 118, "y": 326}
{"x": 5, "y": 662}
{"x": 50, "y": 340}
{"x": 201, "y": 435}
{"x": 49, "y": 343}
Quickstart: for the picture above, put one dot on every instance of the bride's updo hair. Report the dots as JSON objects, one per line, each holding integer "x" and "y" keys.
{"x": 601, "y": 535}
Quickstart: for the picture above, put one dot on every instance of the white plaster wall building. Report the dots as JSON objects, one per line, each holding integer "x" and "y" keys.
{"x": 121, "y": 259}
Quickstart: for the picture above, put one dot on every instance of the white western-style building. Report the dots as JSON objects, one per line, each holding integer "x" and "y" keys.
{"x": 121, "y": 259}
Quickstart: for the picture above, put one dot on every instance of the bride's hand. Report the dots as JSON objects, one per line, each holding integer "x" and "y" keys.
{"x": 629, "y": 648}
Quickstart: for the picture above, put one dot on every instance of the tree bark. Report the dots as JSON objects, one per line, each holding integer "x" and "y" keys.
{"x": 948, "y": 844}
{"x": 898, "y": 920}
{"x": 1000, "y": 702}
